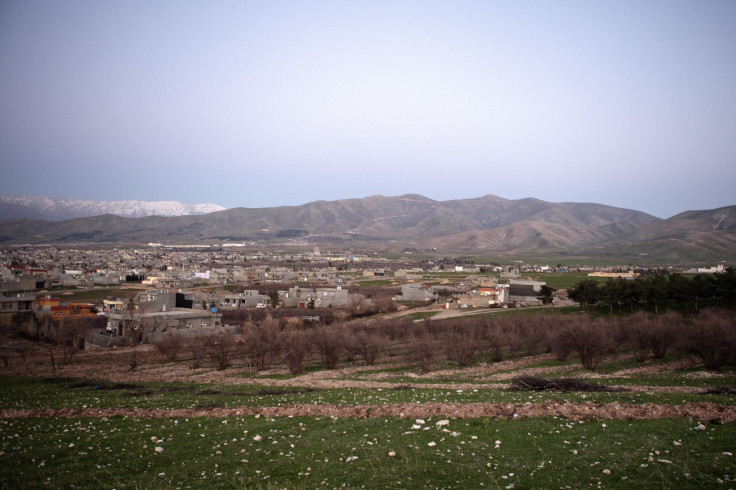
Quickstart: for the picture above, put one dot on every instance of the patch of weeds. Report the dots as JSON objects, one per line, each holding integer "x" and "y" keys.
{"x": 530, "y": 383}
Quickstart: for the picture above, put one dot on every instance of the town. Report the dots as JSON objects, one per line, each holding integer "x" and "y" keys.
{"x": 140, "y": 295}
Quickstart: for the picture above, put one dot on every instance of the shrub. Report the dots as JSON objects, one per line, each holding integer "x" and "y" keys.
{"x": 422, "y": 349}
{"x": 666, "y": 330}
{"x": 69, "y": 336}
{"x": 260, "y": 344}
{"x": 367, "y": 344}
{"x": 328, "y": 343}
{"x": 462, "y": 344}
{"x": 296, "y": 347}
{"x": 639, "y": 331}
{"x": 196, "y": 349}
{"x": 712, "y": 337}
{"x": 532, "y": 331}
{"x": 220, "y": 349}
{"x": 170, "y": 346}
{"x": 590, "y": 341}
{"x": 494, "y": 339}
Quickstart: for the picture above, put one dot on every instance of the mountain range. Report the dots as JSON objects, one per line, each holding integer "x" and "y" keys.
{"x": 54, "y": 209}
{"x": 488, "y": 224}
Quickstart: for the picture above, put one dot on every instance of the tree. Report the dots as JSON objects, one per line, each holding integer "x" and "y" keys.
{"x": 546, "y": 295}
{"x": 655, "y": 291}
{"x": 585, "y": 293}
{"x": 132, "y": 320}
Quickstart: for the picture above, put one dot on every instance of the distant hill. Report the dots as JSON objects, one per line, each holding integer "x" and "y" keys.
{"x": 488, "y": 224}
{"x": 53, "y": 209}
{"x": 709, "y": 235}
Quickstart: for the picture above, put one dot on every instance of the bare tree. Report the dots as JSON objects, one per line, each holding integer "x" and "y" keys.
{"x": 69, "y": 337}
{"x": 463, "y": 343}
{"x": 170, "y": 345}
{"x": 197, "y": 350}
{"x": 369, "y": 345}
{"x": 494, "y": 339}
{"x": 296, "y": 345}
{"x": 133, "y": 320}
{"x": 220, "y": 348}
{"x": 328, "y": 343}
{"x": 422, "y": 349}
{"x": 712, "y": 338}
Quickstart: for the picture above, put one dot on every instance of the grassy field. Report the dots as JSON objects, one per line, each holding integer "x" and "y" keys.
{"x": 302, "y": 452}
{"x": 562, "y": 280}
{"x": 93, "y": 423}
{"x": 126, "y": 434}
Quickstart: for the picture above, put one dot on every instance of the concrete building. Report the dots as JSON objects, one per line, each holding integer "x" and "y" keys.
{"x": 15, "y": 304}
{"x": 523, "y": 290}
{"x": 146, "y": 327}
{"x": 246, "y": 299}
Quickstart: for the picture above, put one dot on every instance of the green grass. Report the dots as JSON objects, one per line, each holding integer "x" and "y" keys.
{"x": 305, "y": 452}
{"x": 563, "y": 280}
{"x": 30, "y": 393}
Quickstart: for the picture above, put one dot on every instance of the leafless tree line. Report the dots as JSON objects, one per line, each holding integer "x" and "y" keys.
{"x": 710, "y": 335}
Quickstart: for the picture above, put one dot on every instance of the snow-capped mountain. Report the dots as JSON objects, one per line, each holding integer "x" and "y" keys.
{"x": 53, "y": 209}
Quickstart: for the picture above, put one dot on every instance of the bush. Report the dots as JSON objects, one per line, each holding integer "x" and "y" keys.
{"x": 328, "y": 343}
{"x": 296, "y": 347}
{"x": 170, "y": 346}
{"x": 666, "y": 330}
{"x": 639, "y": 332}
{"x": 494, "y": 339}
{"x": 368, "y": 345}
{"x": 590, "y": 341}
{"x": 712, "y": 338}
{"x": 220, "y": 349}
{"x": 260, "y": 344}
{"x": 462, "y": 344}
{"x": 196, "y": 349}
{"x": 422, "y": 349}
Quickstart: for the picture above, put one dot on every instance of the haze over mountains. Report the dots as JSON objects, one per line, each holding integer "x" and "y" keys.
{"x": 485, "y": 224}
{"x": 54, "y": 209}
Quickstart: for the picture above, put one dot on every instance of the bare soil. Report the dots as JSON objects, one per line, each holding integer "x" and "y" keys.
{"x": 573, "y": 411}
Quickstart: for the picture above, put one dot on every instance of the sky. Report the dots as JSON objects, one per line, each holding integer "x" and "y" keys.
{"x": 629, "y": 103}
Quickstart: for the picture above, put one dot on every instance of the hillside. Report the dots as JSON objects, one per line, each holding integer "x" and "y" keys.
{"x": 488, "y": 224}
{"x": 709, "y": 235}
{"x": 408, "y": 217}
{"x": 54, "y": 209}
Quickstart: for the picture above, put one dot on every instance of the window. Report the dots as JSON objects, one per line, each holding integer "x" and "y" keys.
{"x": 203, "y": 324}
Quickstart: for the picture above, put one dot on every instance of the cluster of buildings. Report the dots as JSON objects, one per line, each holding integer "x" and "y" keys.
{"x": 186, "y": 289}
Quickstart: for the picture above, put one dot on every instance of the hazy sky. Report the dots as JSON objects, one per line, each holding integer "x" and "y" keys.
{"x": 266, "y": 103}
